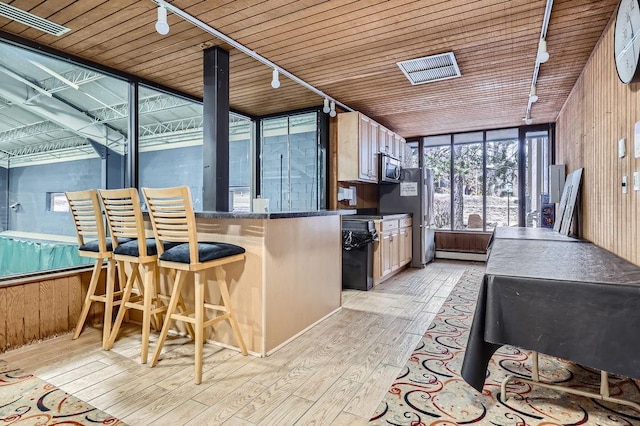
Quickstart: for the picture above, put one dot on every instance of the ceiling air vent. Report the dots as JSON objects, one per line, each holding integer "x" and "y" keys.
{"x": 32, "y": 20}
{"x": 430, "y": 68}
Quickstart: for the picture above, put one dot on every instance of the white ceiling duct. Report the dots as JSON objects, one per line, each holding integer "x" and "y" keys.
{"x": 32, "y": 20}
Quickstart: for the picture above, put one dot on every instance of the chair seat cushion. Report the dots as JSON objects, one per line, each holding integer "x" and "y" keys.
{"x": 131, "y": 248}
{"x": 206, "y": 252}
{"x": 93, "y": 245}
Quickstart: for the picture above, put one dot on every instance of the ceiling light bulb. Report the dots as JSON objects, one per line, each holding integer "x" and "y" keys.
{"x": 543, "y": 55}
{"x": 528, "y": 120}
{"x": 275, "y": 83}
{"x": 532, "y": 96}
{"x": 326, "y": 108}
{"x": 332, "y": 110}
{"x": 162, "y": 27}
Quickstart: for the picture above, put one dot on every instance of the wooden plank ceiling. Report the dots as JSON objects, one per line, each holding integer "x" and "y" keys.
{"x": 348, "y": 49}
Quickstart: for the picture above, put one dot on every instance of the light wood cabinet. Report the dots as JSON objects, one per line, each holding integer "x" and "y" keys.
{"x": 394, "y": 248}
{"x": 405, "y": 245}
{"x": 357, "y": 148}
{"x": 360, "y": 139}
{"x": 386, "y": 140}
{"x": 399, "y": 147}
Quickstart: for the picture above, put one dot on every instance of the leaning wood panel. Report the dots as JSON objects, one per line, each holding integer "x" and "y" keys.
{"x": 31, "y": 312}
{"x": 15, "y": 322}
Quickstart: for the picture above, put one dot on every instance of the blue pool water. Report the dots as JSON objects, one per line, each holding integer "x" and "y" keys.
{"x": 18, "y": 256}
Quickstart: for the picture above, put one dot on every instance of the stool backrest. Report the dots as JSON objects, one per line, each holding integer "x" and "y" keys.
{"x": 172, "y": 217}
{"x": 124, "y": 216}
{"x": 87, "y": 217}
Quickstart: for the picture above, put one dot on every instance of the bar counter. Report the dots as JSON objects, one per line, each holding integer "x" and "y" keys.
{"x": 289, "y": 281}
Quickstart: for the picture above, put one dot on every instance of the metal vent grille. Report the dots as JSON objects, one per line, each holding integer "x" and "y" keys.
{"x": 430, "y": 68}
{"x": 32, "y": 20}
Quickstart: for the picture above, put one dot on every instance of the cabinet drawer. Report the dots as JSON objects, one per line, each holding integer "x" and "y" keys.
{"x": 405, "y": 222}
{"x": 388, "y": 225}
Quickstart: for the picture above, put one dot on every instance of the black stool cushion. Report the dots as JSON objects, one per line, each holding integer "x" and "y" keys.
{"x": 93, "y": 245}
{"x": 206, "y": 252}
{"x": 131, "y": 247}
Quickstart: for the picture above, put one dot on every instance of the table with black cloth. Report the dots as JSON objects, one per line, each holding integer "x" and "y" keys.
{"x": 574, "y": 301}
{"x": 519, "y": 233}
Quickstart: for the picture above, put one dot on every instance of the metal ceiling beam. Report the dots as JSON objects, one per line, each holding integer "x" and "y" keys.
{"x": 77, "y": 76}
{"x": 173, "y": 126}
{"x": 71, "y": 142}
{"x": 147, "y": 105}
{"x": 35, "y": 129}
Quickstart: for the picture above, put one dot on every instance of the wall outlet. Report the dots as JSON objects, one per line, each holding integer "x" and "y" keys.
{"x": 636, "y": 181}
{"x": 624, "y": 184}
{"x": 622, "y": 149}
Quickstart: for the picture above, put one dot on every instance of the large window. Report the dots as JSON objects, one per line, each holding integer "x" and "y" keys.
{"x": 170, "y": 142}
{"x": 241, "y": 164}
{"x": 63, "y": 127}
{"x": 292, "y": 162}
{"x": 477, "y": 178}
{"x": 438, "y": 158}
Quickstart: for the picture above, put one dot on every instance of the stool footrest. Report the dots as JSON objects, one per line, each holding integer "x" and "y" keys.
{"x": 220, "y": 308}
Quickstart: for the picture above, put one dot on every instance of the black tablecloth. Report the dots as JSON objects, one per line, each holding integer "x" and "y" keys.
{"x": 574, "y": 301}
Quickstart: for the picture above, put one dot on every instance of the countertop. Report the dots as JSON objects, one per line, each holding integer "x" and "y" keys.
{"x": 379, "y": 217}
{"x": 271, "y": 215}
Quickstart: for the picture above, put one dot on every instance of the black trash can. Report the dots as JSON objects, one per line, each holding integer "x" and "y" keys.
{"x": 357, "y": 253}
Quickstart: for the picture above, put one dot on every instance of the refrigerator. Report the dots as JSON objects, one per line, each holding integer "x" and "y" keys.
{"x": 414, "y": 194}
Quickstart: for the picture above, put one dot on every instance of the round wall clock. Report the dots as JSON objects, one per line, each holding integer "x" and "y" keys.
{"x": 627, "y": 41}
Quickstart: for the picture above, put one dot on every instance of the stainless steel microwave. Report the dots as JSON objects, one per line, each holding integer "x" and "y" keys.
{"x": 389, "y": 169}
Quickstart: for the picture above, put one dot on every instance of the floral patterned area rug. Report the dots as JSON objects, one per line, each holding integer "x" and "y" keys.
{"x": 430, "y": 390}
{"x": 27, "y": 400}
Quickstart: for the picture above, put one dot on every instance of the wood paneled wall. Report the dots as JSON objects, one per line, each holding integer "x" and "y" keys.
{"x": 464, "y": 242}
{"x": 600, "y": 111}
{"x": 37, "y": 310}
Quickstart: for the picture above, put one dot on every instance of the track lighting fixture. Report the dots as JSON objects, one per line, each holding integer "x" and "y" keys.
{"x": 332, "y": 109}
{"x": 162, "y": 26}
{"x": 275, "y": 82}
{"x": 326, "y": 108}
{"x": 532, "y": 95}
{"x": 543, "y": 55}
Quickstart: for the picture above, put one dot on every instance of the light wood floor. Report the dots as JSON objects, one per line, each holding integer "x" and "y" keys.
{"x": 336, "y": 373}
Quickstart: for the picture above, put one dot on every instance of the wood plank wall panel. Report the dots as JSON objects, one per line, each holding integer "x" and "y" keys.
{"x": 465, "y": 242}
{"x": 3, "y": 319}
{"x": 46, "y": 307}
{"x": 31, "y": 316}
{"x": 15, "y": 322}
{"x": 42, "y": 309}
{"x": 599, "y": 112}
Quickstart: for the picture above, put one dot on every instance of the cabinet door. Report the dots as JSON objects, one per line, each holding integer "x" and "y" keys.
{"x": 373, "y": 153}
{"x": 385, "y": 146}
{"x": 364, "y": 145}
{"x": 395, "y": 250}
{"x": 385, "y": 254}
{"x": 405, "y": 245}
{"x": 401, "y": 150}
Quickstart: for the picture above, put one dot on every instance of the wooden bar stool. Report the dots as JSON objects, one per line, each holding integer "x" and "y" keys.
{"x": 122, "y": 208}
{"x": 93, "y": 243}
{"x": 173, "y": 221}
